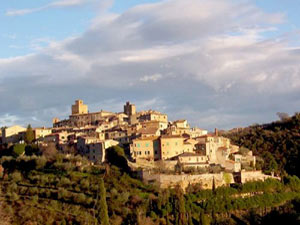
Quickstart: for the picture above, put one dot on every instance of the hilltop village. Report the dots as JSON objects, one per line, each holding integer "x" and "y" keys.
{"x": 163, "y": 151}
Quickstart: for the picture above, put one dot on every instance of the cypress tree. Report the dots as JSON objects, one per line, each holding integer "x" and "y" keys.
{"x": 29, "y": 135}
{"x": 180, "y": 216}
{"x": 102, "y": 205}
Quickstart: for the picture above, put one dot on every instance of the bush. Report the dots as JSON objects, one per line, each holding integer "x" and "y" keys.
{"x": 79, "y": 198}
{"x": 16, "y": 177}
{"x": 84, "y": 184}
{"x": 19, "y": 149}
{"x": 40, "y": 162}
{"x": 65, "y": 182}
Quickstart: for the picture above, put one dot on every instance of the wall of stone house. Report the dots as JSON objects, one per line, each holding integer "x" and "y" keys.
{"x": 184, "y": 180}
{"x": 247, "y": 176}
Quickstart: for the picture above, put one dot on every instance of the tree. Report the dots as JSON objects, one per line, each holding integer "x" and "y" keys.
{"x": 115, "y": 155}
{"x": 180, "y": 212}
{"x": 49, "y": 151}
{"x": 29, "y": 135}
{"x": 270, "y": 164}
{"x": 102, "y": 205}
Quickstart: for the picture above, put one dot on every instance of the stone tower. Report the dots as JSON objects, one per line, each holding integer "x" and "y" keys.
{"x": 79, "y": 108}
{"x": 129, "y": 109}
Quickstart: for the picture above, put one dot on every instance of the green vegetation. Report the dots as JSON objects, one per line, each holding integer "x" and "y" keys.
{"x": 63, "y": 190}
{"x": 18, "y": 149}
{"x": 278, "y": 143}
{"x": 29, "y": 135}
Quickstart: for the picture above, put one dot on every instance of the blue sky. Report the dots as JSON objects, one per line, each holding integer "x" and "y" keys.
{"x": 22, "y": 34}
{"x": 217, "y": 63}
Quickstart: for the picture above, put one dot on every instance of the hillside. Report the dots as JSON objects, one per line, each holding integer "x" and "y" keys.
{"x": 279, "y": 141}
{"x": 67, "y": 190}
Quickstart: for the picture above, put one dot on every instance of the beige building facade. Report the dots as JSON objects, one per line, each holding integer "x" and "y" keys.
{"x": 12, "y": 134}
{"x": 145, "y": 148}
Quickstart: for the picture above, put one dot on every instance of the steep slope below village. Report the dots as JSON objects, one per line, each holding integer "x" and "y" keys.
{"x": 67, "y": 190}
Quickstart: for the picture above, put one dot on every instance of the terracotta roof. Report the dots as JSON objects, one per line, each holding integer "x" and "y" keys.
{"x": 180, "y": 121}
{"x": 148, "y": 130}
{"x": 189, "y": 154}
{"x": 146, "y": 138}
{"x": 171, "y": 136}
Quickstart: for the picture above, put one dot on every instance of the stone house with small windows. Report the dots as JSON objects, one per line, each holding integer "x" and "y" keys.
{"x": 57, "y": 138}
{"x": 171, "y": 145}
{"x": 192, "y": 160}
{"x": 145, "y": 148}
{"x": 41, "y": 132}
{"x": 94, "y": 148}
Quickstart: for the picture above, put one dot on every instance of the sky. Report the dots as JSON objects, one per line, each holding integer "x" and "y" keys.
{"x": 216, "y": 63}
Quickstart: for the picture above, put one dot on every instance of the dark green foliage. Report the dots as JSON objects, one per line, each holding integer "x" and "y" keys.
{"x": 179, "y": 209}
{"x": 270, "y": 164}
{"x": 43, "y": 191}
{"x": 116, "y": 156}
{"x": 32, "y": 149}
{"x": 102, "y": 206}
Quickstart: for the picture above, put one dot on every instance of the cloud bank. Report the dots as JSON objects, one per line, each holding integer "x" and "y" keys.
{"x": 204, "y": 60}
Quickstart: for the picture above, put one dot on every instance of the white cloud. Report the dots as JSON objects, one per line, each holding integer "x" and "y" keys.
{"x": 8, "y": 120}
{"x": 154, "y": 77}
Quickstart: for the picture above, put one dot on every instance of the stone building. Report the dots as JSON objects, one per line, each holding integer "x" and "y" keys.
{"x": 94, "y": 148}
{"x": 79, "y": 108}
{"x": 171, "y": 145}
{"x": 145, "y": 148}
{"x": 41, "y": 132}
{"x": 12, "y": 134}
{"x": 192, "y": 160}
{"x": 151, "y": 115}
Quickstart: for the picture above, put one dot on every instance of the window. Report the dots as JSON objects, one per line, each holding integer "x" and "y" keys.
{"x": 147, "y": 144}
{"x": 176, "y": 143}
{"x": 167, "y": 143}
{"x": 138, "y": 145}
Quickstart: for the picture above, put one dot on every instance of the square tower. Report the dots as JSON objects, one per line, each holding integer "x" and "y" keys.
{"x": 129, "y": 109}
{"x": 79, "y": 108}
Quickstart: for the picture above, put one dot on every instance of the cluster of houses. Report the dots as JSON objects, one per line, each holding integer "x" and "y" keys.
{"x": 148, "y": 135}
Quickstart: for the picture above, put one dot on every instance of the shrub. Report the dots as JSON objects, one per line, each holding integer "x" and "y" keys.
{"x": 14, "y": 197}
{"x": 65, "y": 182}
{"x": 19, "y": 149}
{"x": 40, "y": 162}
{"x": 84, "y": 184}
{"x": 16, "y": 177}
{"x": 79, "y": 198}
